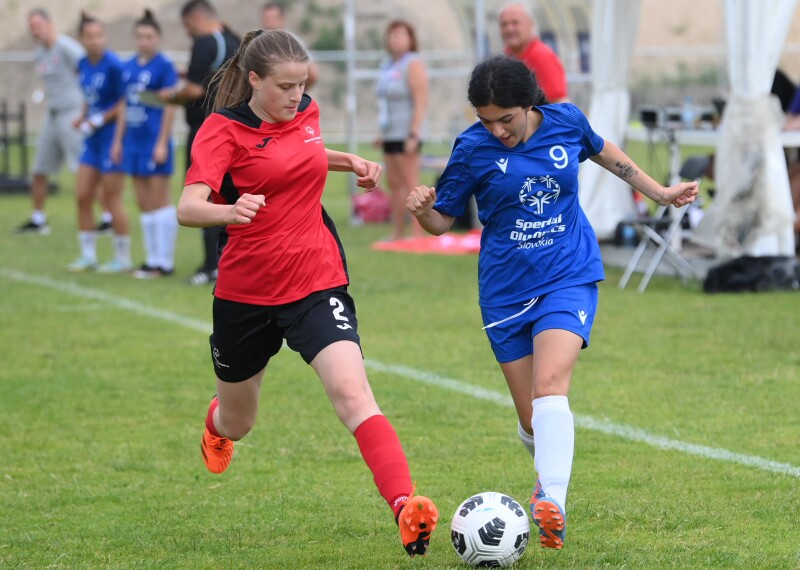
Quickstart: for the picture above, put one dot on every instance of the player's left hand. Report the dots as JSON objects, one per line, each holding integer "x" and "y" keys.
{"x": 368, "y": 172}
{"x": 680, "y": 194}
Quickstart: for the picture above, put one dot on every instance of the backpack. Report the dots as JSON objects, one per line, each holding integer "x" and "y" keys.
{"x": 748, "y": 273}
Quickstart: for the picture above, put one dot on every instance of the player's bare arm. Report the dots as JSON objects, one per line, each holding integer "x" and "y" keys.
{"x": 368, "y": 172}
{"x": 613, "y": 159}
{"x": 420, "y": 203}
{"x": 194, "y": 209}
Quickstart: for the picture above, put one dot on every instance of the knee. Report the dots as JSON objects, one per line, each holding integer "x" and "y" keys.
{"x": 85, "y": 199}
{"x": 550, "y": 383}
{"x": 238, "y": 427}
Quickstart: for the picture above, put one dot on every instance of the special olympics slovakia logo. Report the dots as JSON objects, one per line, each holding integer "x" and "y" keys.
{"x": 539, "y": 191}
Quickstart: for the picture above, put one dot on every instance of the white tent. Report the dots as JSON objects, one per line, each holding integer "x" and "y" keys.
{"x": 752, "y": 212}
{"x": 604, "y": 197}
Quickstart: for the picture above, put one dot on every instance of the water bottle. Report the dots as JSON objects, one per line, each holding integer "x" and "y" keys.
{"x": 687, "y": 113}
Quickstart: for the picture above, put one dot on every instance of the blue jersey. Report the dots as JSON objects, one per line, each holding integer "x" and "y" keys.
{"x": 142, "y": 121}
{"x": 536, "y": 238}
{"x": 102, "y": 88}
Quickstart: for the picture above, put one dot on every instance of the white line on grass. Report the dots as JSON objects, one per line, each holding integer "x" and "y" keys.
{"x": 587, "y": 422}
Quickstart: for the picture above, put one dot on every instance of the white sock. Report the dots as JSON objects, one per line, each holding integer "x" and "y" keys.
{"x": 527, "y": 440}
{"x": 167, "y": 222}
{"x": 87, "y": 241}
{"x": 554, "y": 434}
{"x": 149, "y": 230}
{"x": 122, "y": 248}
{"x": 38, "y": 217}
{"x": 106, "y": 217}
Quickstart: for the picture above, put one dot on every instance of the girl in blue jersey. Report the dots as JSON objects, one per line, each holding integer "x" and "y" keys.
{"x": 539, "y": 261}
{"x": 100, "y": 75}
{"x": 143, "y": 142}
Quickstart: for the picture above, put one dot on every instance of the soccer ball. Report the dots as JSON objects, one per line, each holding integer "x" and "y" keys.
{"x": 490, "y": 529}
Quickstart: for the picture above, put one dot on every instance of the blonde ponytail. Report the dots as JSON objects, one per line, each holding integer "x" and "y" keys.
{"x": 259, "y": 51}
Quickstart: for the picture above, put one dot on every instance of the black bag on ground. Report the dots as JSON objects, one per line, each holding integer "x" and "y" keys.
{"x": 747, "y": 273}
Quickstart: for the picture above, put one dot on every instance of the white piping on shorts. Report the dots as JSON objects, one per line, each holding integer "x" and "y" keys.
{"x": 528, "y": 306}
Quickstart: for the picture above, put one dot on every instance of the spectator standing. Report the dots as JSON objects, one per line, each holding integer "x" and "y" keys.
{"x": 143, "y": 142}
{"x": 57, "y": 64}
{"x": 402, "y": 92}
{"x": 213, "y": 44}
{"x": 522, "y": 41}
{"x": 273, "y": 17}
{"x": 100, "y": 75}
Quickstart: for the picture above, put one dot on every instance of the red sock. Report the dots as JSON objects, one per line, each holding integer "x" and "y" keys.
{"x": 210, "y": 417}
{"x": 383, "y": 454}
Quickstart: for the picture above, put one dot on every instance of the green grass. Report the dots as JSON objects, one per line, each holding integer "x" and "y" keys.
{"x": 101, "y": 413}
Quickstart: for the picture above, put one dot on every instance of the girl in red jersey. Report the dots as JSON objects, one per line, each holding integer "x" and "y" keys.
{"x": 282, "y": 273}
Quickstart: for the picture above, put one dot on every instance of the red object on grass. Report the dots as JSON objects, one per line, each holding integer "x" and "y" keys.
{"x": 372, "y": 207}
{"x": 446, "y": 244}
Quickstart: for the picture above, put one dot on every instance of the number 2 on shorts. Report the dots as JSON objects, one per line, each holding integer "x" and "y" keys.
{"x": 337, "y": 314}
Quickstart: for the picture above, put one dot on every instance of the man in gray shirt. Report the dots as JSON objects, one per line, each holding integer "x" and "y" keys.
{"x": 57, "y": 64}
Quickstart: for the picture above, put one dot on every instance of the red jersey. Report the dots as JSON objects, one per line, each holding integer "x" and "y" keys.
{"x": 291, "y": 248}
{"x": 549, "y": 71}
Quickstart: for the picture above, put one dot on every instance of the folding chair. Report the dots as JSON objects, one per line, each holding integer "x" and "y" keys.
{"x": 661, "y": 230}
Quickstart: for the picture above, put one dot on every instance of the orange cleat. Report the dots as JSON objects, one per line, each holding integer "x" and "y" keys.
{"x": 549, "y": 517}
{"x": 417, "y": 522}
{"x": 217, "y": 452}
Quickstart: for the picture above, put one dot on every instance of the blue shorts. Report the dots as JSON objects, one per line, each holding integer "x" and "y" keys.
{"x": 97, "y": 154}
{"x": 139, "y": 162}
{"x": 511, "y": 329}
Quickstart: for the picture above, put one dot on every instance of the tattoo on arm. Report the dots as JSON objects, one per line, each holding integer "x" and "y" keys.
{"x": 626, "y": 170}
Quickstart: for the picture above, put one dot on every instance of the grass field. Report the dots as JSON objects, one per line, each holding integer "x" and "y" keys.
{"x": 687, "y": 450}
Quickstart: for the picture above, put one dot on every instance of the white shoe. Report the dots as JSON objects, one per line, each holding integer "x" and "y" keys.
{"x": 82, "y": 265}
{"x": 115, "y": 266}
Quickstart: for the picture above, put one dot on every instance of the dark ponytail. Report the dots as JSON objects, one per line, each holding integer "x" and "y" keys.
{"x": 85, "y": 20}
{"x": 259, "y": 51}
{"x": 148, "y": 20}
{"x": 505, "y": 82}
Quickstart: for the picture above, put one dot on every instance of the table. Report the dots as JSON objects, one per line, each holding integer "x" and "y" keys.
{"x": 695, "y": 137}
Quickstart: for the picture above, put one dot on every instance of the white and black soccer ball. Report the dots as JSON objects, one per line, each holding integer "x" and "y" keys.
{"x": 490, "y": 530}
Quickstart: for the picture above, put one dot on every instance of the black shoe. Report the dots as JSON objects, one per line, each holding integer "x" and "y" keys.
{"x": 104, "y": 228}
{"x": 147, "y": 272}
{"x": 30, "y": 227}
{"x": 202, "y": 277}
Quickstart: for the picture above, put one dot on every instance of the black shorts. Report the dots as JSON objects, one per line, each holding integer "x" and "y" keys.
{"x": 246, "y": 336}
{"x": 398, "y": 147}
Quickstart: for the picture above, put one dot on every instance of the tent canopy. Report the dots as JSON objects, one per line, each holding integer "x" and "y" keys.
{"x": 752, "y": 212}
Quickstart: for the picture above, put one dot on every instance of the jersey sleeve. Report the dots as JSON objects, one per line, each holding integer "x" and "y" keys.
{"x": 591, "y": 143}
{"x": 212, "y": 153}
{"x": 457, "y": 183}
{"x": 204, "y": 52}
{"x": 73, "y": 52}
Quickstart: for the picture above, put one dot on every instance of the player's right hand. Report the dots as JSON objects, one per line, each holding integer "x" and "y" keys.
{"x": 116, "y": 152}
{"x": 421, "y": 200}
{"x": 246, "y": 208}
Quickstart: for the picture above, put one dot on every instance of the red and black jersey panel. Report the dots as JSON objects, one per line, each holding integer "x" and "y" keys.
{"x": 291, "y": 248}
